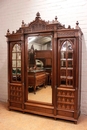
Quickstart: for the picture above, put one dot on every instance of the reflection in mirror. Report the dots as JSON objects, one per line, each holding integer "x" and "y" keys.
{"x": 40, "y": 68}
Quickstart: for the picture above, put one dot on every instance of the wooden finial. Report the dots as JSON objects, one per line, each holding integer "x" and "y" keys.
{"x": 37, "y": 15}
{"x": 77, "y": 25}
{"x": 69, "y": 26}
{"x": 13, "y": 32}
{"x": 55, "y": 18}
{"x": 8, "y": 32}
{"x": 23, "y": 23}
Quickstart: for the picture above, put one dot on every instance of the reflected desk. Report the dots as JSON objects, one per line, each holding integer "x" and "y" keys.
{"x": 36, "y": 78}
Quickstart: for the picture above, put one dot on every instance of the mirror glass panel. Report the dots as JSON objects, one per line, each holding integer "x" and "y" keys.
{"x": 40, "y": 68}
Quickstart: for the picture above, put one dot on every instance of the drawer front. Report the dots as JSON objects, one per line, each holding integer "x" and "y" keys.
{"x": 66, "y": 99}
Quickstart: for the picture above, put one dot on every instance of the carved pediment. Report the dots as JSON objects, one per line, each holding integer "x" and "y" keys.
{"x": 40, "y": 25}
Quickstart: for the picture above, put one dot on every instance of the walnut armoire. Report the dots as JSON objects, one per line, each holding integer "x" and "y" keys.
{"x": 61, "y": 65}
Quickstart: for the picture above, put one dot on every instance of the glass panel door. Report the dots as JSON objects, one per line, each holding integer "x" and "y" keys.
{"x": 66, "y": 65}
{"x": 16, "y": 63}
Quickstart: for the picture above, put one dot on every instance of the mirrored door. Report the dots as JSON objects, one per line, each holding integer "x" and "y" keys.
{"x": 39, "y": 68}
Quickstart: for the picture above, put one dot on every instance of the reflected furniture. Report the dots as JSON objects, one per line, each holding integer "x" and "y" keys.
{"x": 46, "y": 57}
{"x": 36, "y": 78}
{"x": 65, "y": 60}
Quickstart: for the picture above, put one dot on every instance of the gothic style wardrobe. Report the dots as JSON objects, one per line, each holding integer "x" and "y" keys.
{"x": 44, "y": 69}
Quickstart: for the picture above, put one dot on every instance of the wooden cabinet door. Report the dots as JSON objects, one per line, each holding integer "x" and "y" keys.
{"x": 66, "y": 77}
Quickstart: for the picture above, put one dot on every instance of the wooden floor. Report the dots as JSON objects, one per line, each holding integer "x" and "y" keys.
{"x": 13, "y": 120}
{"x": 43, "y": 94}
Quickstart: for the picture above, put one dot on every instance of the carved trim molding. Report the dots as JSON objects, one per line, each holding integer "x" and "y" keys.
{"x": 66, "y": 34}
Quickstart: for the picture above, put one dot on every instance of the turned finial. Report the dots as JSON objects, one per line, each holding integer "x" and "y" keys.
{"x": 69, "y": 27}
{"x": 23, "y": 23}
{"x": 55, "y": 18}
{"x": 8, "y": 32}
{"x": 37, "y": 15}
{"x": 77, "y": 25}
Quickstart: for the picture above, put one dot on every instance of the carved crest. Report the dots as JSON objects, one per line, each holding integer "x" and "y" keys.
{"x": 40, "y": 25}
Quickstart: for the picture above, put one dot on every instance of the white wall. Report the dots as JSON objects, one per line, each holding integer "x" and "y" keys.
{"x": 12, "y": 12}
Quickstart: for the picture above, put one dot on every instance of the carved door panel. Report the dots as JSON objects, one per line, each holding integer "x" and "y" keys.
{"x": 15, "y": 79}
